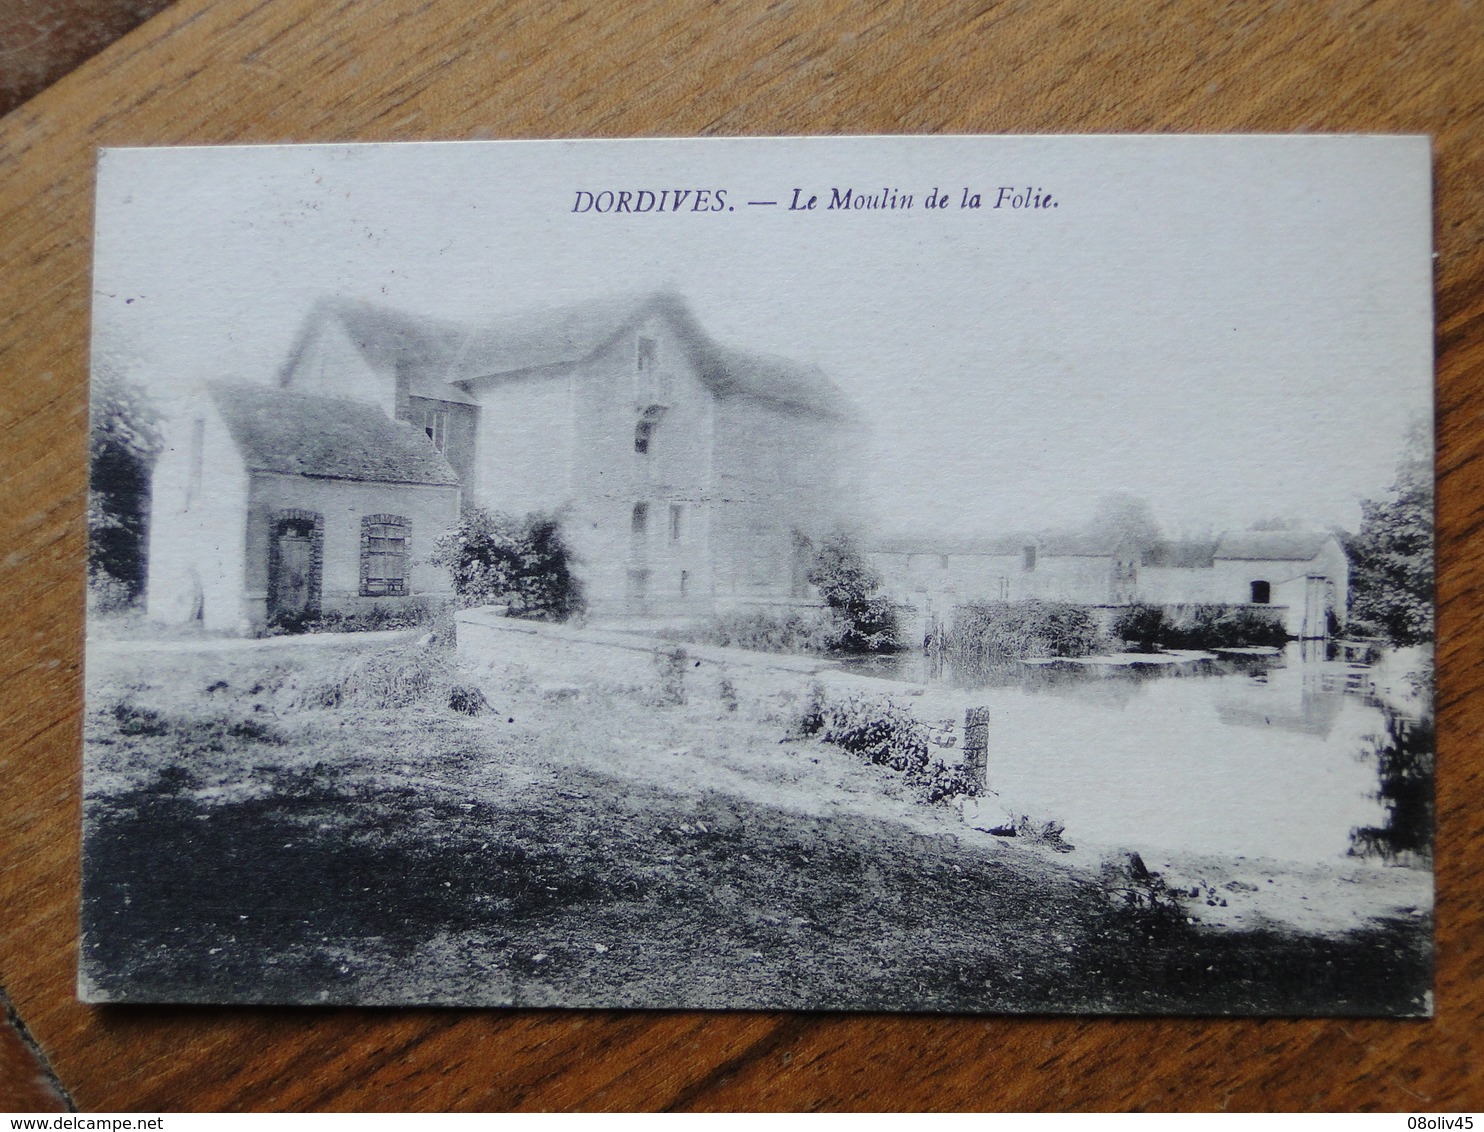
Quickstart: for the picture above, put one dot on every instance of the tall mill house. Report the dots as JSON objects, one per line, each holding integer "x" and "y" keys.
{"x": 689, "y": 476}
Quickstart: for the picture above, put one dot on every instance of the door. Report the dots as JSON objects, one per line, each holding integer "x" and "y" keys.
{"x": 291, "y": 587}
{"x": 1316, "y": 620}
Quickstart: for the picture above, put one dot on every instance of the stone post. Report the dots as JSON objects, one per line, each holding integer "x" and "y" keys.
{"x": 976, "y": 746}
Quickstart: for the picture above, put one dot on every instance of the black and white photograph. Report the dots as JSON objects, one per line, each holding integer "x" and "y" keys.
{"x": 938, "y": 574}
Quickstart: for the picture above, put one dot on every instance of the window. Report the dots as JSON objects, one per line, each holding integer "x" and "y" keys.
{"x": 684, "y": 582}
{"x": 383, "y": 555}
{"x": 675, "y": 513}
{"x": 639, "y": 520}
{"x": 647, "y": 356}
{"x": 1262, "y": 593}
{"x": 643, "y": 433}
{"x": 1030, "y": 558}
{"x": 435, "y": 424}
{"x": 942, "y": 562}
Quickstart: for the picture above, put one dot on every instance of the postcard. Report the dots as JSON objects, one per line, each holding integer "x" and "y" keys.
{"x": 971, "y": 574}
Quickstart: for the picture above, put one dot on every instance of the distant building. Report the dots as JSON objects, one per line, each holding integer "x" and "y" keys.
{"x": 689, "y": 476}
{"x": 1303, "y": 574}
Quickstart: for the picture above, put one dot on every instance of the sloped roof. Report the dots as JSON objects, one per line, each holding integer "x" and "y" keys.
{"x": 990, "y": 545}
{"x": 1001, "y": 546}
{"x": 280, "y": 431}
{"x": 1080, "y": 546}
{"x": 434, "y": 354}
{"x": 1272, "y": 546}
{"x": 1189, "y": 554}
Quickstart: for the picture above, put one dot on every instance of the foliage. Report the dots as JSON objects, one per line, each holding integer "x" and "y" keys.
{"x": 1012, "y": 630}
{"x": 1121, "y": 518}
{"x": 375, "y": 618}
{"x": 123, "y": 443}
{"x": 1405, "y": 766}
{"x": 1198, "y": 626}
{"x": 885, "y": 734}
{"x": 765, "y": 631}
{"x": 496, "y": 558}
{"x": 670, "y": 666}
{"x": 106, "y": 594}
{"x": 862, "y": 619}
{"x": 1391, "y": 556}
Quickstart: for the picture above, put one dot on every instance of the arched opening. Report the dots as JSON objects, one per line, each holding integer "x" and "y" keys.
{"x": 1262, "y": 593}
{"x": 295, "y": 558}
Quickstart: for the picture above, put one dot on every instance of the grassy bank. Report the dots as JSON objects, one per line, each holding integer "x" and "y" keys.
{"x": 385, "y": 847}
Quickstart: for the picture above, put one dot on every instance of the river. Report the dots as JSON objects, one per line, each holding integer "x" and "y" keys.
{"x": 1303, "y": 756}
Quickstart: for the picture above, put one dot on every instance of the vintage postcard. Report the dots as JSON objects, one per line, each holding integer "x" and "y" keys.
{"x": 925, "y": 574}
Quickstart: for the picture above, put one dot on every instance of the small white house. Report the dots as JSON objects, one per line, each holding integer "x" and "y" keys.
{"x": 269, "y": 504}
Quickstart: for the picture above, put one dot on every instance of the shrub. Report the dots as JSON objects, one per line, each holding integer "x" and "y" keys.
{"x": 670, "y": 666}
{"x": 406, "y": 676}
{"x": 861, "y": 619}
{"x": 123, "y": 442}
{"x": 765, "y": 631}
{"x": 1013, "y": 630}
{"x": 1197, "y": 626}
{"x": 375, "y": 618}
{"x": 496, "y": 558}
{"x": 883, "y": 733}
{"x": 106, "y": 594}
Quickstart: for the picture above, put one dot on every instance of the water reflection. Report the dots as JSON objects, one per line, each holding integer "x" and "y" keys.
{"x": 1309, "y": 754}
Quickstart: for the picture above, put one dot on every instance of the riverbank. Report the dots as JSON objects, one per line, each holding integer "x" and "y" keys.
{"x": 616, "y": 843}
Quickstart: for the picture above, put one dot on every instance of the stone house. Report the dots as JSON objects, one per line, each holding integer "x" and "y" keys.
{"x": 688, "y": 476}
{"x": 1304, "y": 575}
{"x": 268, "y": 503}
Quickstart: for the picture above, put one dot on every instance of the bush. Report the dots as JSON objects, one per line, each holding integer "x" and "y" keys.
{"x": 522, "y": 563}
{"x": 861, "y": 619}
{"x": 1150, "y": 627}
{"x": 1014, "y": 630}
{"x": 885, "y": 734}
{"x": 765, "y": 631}
{"x": 376, "y": 618}
{"x": 407, "y": 676}
{"x": 106, "y": 594}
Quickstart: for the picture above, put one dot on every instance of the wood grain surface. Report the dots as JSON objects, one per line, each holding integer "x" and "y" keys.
{"x": 208, "y": 71}
{"x": 41, "y": 40}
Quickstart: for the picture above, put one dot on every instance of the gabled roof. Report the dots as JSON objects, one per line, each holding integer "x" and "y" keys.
{"x": 280, "y": 431}
{"x": 1189, "y": 554}
{"x": 437, "y": 355}
{"x": 1272, "y": 546}
{"x": 1002, "y": 546}
{"x": 993, "y": 546}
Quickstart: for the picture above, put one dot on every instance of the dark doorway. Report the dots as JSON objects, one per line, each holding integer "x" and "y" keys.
{"x": 294, "y": 565}
{"x": 1262, "y": 593}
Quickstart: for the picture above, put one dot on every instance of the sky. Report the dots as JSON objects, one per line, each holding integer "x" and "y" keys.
{"x": 1234, "y": 329}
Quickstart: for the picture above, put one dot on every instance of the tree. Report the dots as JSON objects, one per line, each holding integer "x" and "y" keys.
{"x": 1125, "y": 519}
{"x": 865, "y": 621}
{"x": 496, "y": 558}
{"x": 123, "y": 443}
{"x": 1391, "y": 556}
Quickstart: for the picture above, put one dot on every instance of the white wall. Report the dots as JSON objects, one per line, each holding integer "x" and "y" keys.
{"x": 197, "y": 542}
{"x": 330, "y": 365}
{"x": 431, "y": 510}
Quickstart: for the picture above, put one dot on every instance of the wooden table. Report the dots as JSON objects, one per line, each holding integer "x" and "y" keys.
{"x": 306, "y": 70}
